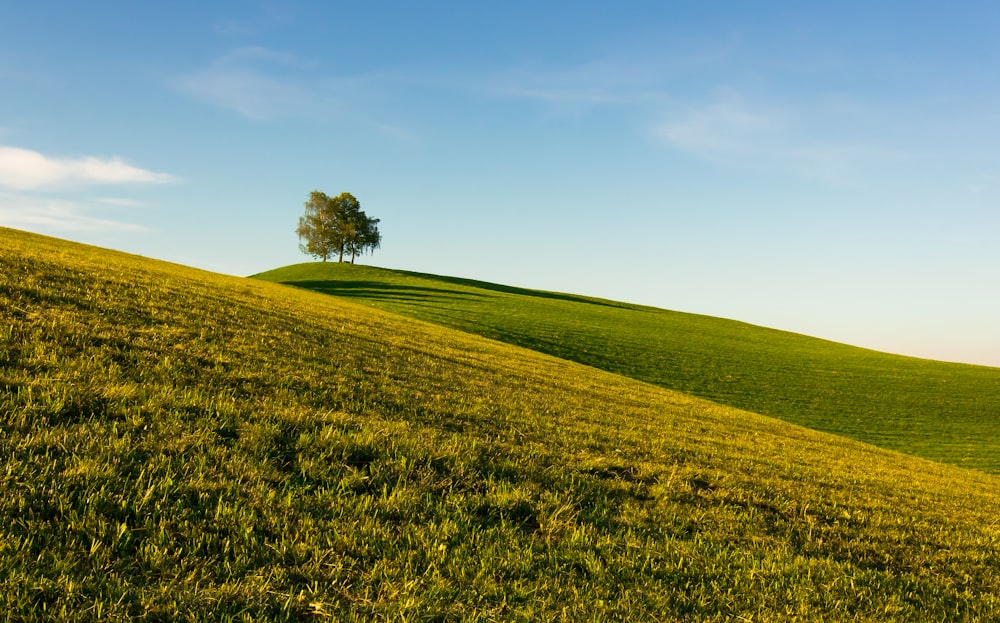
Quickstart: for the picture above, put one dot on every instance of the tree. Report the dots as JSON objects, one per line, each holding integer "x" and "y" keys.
{"x": 372, "y": 237}
{"x": 364, "y": 235}
{"x": 336, "y": 225}
{"x": 317, "y": 227}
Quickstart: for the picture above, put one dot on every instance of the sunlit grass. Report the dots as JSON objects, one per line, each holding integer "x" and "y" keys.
{"x": 180, "y": 445}
{"x": 942, "y": 411}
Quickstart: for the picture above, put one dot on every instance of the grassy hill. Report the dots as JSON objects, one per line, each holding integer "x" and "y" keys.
{"x": 180, "y": 445}
{"x": 942, "y": 411}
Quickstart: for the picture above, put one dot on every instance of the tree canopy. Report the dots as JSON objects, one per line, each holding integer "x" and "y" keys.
{"x": 336, "y": 225}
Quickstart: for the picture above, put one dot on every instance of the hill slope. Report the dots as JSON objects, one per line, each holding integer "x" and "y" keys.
{"x": 942, "y": 411}
{"x": 186, "y": 446}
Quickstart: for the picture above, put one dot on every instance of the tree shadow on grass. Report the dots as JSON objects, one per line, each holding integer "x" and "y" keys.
{"x": 381, "y": 291}
{"x": 485, "y": 285}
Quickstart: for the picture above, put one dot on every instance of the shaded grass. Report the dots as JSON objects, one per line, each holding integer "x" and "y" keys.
{"x": 185, "y": 446}
{"x": 942, "y": 411}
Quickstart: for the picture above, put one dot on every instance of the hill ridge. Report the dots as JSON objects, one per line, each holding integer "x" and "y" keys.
{"x": 940, "y": 410}
{"x": 185, "y": 445}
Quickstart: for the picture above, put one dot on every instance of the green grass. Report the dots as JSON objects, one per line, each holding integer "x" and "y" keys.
{"x": 942, "y": 411}
{"x": 184, "y": 446}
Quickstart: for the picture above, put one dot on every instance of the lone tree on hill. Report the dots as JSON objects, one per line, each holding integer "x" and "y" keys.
{"x": 336, "y": 225}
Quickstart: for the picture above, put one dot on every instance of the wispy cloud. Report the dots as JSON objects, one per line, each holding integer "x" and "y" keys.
{"x": 259, "y": 83}
{"x": 730, "y": 131}
{"x": 261, "y": 17}
{"x": 121, "y": 202}
{"x": 682, "y": 98}
{"x": 594, "y": 83}
{"x": 724, "y": 130}
{"x": 24, "y": 169}
{"x": 55, "y": 215}
{"x": 638, "y": 73}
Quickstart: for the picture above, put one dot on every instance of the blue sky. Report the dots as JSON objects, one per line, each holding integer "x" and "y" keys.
{"x": 826, "y": 168}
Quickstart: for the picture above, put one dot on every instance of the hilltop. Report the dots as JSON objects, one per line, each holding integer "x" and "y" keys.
{"x": 182, "y": 445}
{"x": 942, "y": 411}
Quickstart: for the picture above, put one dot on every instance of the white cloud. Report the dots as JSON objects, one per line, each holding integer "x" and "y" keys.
{"x": 55, "y": 216}
{"x": 24, "y": 169}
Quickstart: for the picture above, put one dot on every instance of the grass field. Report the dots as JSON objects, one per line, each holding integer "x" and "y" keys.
{"x": 184, "y": 446}
{"x": 942, "y": 411}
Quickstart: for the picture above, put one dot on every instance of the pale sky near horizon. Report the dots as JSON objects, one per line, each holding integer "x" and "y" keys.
{"x": 826, "y": 168}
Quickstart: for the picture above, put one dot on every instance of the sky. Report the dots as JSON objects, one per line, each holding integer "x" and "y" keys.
{"x": 831, "y": 169}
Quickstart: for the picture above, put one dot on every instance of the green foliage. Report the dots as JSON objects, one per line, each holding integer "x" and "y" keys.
{"x": 936, "y": 410}
{"x": 183, "y": 446}
{"x": 336, "y": 225}
{"x": 317, "y": 228}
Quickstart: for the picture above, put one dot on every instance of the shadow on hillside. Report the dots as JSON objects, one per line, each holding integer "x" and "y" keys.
{"x": 380, "y": 291}
{"x": 485, "y": 285}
